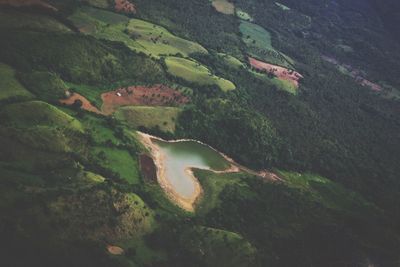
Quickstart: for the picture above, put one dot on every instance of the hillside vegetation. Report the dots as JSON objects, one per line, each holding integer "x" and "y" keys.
{"x": 318, "y": 184}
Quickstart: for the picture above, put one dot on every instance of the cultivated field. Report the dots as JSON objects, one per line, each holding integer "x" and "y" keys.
{"x": 138, "y": 35}
{"x": 281, "y": 73}
{"x": 259, "y": 43}
{"x": 255, "y": 35}
{"x": 231, "y": 61}
{"x": 157, "y": 95}
{"x": 194, "y": 72}
{"x": 159, "y": 41}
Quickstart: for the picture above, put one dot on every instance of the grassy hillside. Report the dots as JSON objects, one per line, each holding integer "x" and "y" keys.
{"x": 162, "y": 118}
{"x": 187, "y": 19}
{"x": 218, "y": 247}
{"x": 258, "y": 41}
{"x": 118, "y": 161}
{"x": 159, "y": 41}
{"x": 34, "y": 113}
{"x": 137, "y": 34}
{"x": 196, "y": 73}
{"x": 301, "y": 213}
{"x": 16, "y": 20}
{"x": 45, "y": 85}
{"x": 72, "y": 191}
{"x": 10, "y": 87}
{"x": 77, "y": 58}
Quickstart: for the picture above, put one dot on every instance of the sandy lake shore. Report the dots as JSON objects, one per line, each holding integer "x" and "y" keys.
{"x": 187, "y": 203}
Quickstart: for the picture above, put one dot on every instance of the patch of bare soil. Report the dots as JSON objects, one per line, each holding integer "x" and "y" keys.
{"x": 114, "y": 250}
{"x": 157, "y": 95}
{"x": 86, "y": 105}
{"x": 280, "y": 72}
{"x": 124, "y": 6}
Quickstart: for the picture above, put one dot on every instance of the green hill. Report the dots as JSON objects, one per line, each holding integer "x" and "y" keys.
{"x": 315, "y": 179}
{"x": 196, "y": 73}
{"x": 10, "y": 87}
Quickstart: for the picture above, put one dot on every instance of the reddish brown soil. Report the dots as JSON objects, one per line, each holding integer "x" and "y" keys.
{"x": 148, "y": 168}
{"x": 124, "y": 6}
{"x": 19, "y": 3}
{"x": 157, "y": 95}
{"x": 280, "y": 72}
{"x": 86, "y": 105}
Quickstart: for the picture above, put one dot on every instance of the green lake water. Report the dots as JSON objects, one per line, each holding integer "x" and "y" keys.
{"x": 188, "y": 154}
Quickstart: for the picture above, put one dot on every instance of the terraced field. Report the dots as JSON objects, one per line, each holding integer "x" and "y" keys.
{"x": 194, "y": 72}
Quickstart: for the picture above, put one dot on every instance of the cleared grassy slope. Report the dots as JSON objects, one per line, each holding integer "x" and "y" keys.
{"x": 36, "y": 113}
{"x": 77, "y": 58}
{"x": 138, "y": 35}
{"x": 259, "y": 44}
{"x": 163, "y": 118}
{"x": 10, "y": 87}
{"x": 194, "y": 72}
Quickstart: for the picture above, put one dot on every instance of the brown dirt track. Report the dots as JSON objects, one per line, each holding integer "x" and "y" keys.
{"x": 280, "y": 72}
{"x": 157, "y": 95}
{"x": 86, "y": 105}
